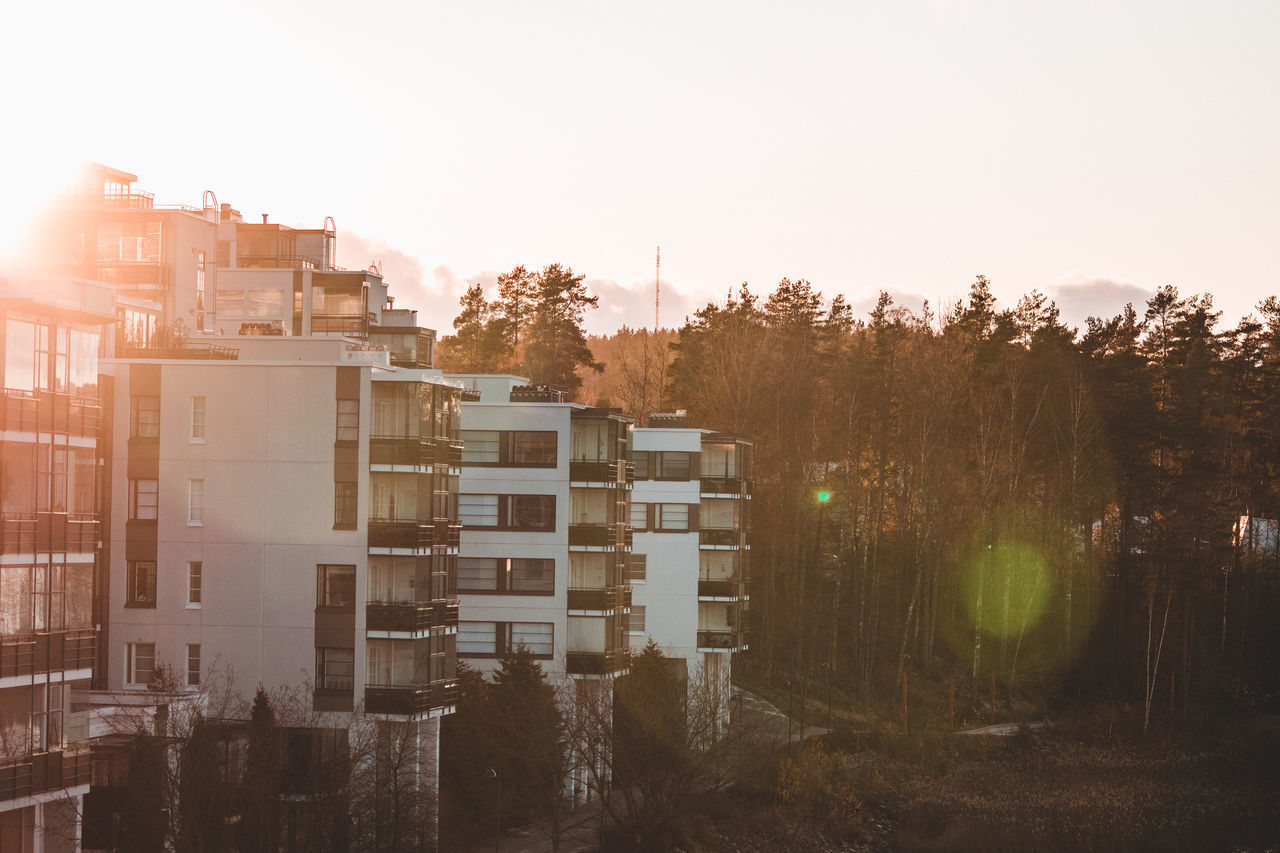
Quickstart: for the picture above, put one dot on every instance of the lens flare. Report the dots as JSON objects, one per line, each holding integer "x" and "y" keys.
{"x": 1007, "y": 589}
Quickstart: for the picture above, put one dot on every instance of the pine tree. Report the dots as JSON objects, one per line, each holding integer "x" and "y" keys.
{"x": 556, "y": 346}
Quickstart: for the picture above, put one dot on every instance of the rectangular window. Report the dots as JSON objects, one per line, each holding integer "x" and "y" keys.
{"x": 508, "y": 512}
{"x": 198, "y": 256}
{"x": 336, "y": 586}
{"x": 533, "y": 448}
{"x": 635, "y": 621}
{"x": 344, "y": 506}
{"x": 140, "y": 581}
{"x": 532, "y": 576}
{"x": 481, "y": 447}
{"x": 639, "y": 516}
{"x": 348, "y": 420}
{"x": 193, "y": 664}
{"x": 144, "y": 417}
{"x": 229, "y": 303}
{"x": 197, "y": 419}
{"x": 478, "y": 574}
{"x": 640, "y": 459}
{"x": 672, "y": 466}
{"x": 335, "y": 669}
{"x": 144, "y": 499}
{"x": 195, "y": 582}
{"x": 506, "y": 575}
{"x": 537, "y": 637}
{"x": 140, "y": 664}
{"x": 477, "y": 638}
{"x": 529, "y": 447}
{"x": 195, "y": 503}
{"x": 638, "y": 568}
{"x": 532, "y": 512}
{"x": 672, "y": 517}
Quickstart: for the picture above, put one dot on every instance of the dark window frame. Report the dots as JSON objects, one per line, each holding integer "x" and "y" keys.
{"x": 505, "y": 571}
{"x": 140, "y": 584}
{"x": 509, "y": 452}
{"x": 346, "y": 505}
{"x": 509, "y": 510}
{"x": 331, "y": 583}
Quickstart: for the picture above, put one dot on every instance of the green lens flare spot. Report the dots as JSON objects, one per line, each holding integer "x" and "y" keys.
{"x": 823, "y": 497}
{"x": 1007, "y": 590}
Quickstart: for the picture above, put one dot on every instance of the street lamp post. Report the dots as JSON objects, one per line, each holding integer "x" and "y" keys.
{"x": 495, "y": 773}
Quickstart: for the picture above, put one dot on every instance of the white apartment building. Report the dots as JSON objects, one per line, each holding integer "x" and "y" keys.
{"x": 544, "y": 501}
{"x": 690, "y": 512}
{"x": 282, "y": 475}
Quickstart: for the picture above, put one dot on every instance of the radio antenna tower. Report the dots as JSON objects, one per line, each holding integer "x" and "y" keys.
{"x": 657, "y": 287}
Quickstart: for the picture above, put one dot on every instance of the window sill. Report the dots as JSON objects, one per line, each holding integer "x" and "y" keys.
{"x": 140, "y": 605}
{"x": 194, "y": 605}
{"x": 197, "y": 441}
{"x": 195, "y": 524}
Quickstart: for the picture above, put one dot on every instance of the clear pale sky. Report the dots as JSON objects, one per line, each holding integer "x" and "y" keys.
{"x": 1094, "y": 150}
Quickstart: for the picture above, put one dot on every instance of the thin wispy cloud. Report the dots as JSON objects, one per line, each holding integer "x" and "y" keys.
{"x": 1080, "y": 296}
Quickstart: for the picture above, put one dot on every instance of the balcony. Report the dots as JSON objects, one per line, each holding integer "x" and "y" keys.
{"x": 150, "y": 276}
{"x": 719, "y": 588}
{"x": 410, "y": 617}
{"x": 722, "y": 537}
{"x": 395, "y": 450}
{"x": 27, "y": 411}
{"x": 612, "y": 662}
{"x": 409, "y": 699}
{"x": 404, "y": 535}
{"x": 723, "y": 639}
{"x": 45, "y": 771}
{"x": 446, "y": 533}
{"x": 598, "y": 598}
{"x": 726, "y": 486}
{"x": 183, "y": 350}
{"x": 448, "y": 451}
{"x": 615, "y": 471}
{"x": 27, "y": 654}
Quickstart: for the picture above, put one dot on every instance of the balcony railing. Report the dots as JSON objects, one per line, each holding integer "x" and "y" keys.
{"x": 611, "y": 662}
{"x": 56, "y": 651}
{"x": 615, "y": 471}
{"x": 723, "y": 639}
{"x": 597, "y": 598}
{"x": 18, "y": 533}
{"x": 396, "y": 450}
{"x": 726, "y": 486}
{"x": 599, "y": 535}
{"x": 399, "y": 534}
{"x": 410, "y": 616}
{"x": 187, "y": 350}
{"x": 719, "y": 588}
{"x": 448, "y": 451}
{"x": 27, "y": 411}
{"x": 411, "y": 698}
{"x": 45, "y": 771}
{"x": 135, "y": 275}
{"x": 717, "y": 536}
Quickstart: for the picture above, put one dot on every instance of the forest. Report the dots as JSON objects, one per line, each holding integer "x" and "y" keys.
{"x": 974, "y": 514}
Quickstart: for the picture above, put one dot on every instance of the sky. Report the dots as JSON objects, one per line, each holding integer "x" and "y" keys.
{"x": 1094, "y": 150}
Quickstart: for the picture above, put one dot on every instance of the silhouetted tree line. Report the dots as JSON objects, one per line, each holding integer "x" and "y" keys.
{"x": 1013, "y": 502}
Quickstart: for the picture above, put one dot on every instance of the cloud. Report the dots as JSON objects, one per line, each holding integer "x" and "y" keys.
{"x": 434, "y": 296}
{"x": 632, "y": 305}
{"x": 1081, "y": 296}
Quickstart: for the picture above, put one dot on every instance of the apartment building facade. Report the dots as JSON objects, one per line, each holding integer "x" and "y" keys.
{"x": 280, "y": 477}
{"x": 544, "y": 501}
{"x": 51, "y": 434}
{"x": 689, "y": 569}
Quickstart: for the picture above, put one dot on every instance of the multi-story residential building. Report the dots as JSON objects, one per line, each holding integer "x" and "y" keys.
{"x": 283, "y": 487}
{"x": 50, "y": 434}
{"x": 544, "y": 501}
{"x": 689, "y": 562}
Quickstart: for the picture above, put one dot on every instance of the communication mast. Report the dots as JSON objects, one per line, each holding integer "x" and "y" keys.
{"x": 657, "y": 287}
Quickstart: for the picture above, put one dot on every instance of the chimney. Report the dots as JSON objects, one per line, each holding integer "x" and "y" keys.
{"x": 264, "y": 219}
